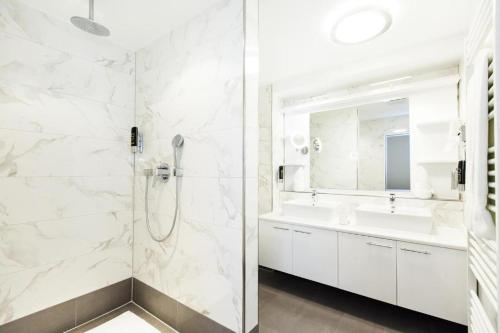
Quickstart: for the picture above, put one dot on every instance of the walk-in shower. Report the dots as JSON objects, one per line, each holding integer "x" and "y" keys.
{"x": 88, "y": 24}
{"x": 82, "y": 83}
{"x": 163, "y": 173}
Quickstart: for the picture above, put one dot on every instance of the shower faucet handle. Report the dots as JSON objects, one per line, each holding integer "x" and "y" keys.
{"x": 162, "y": 172}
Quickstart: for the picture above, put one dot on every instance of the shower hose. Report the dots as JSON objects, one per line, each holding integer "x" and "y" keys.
{"x": 165, "y": 237}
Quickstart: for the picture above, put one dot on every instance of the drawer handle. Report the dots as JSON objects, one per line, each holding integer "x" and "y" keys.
{"x": 415, "y": 251}
{"x": 280, "y": 228}
{"x": 302, "y": 232}
{"x": 379, "y": 245}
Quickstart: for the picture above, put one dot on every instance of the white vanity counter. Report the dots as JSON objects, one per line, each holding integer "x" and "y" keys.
{"x": 452, "y": 238}
{"x": 374, "y": 254}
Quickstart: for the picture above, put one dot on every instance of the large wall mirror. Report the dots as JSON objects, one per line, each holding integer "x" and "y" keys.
{"x": 361, "y": 148}
{"x": 404, "y": 138}
{"x": 357, "y": 148}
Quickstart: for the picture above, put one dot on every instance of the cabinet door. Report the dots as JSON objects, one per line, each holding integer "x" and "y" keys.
{"x": 433, "y": 280}
{"x": 275, "y": 246}
{"x": 367, "y": 266}
{"x": 315, "y": 255}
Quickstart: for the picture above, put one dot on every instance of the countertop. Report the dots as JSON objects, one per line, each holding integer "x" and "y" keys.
{"x": 452, "y": 238}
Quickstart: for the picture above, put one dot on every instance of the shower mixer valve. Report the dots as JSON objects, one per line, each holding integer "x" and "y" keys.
{"x": 162, "y": 172}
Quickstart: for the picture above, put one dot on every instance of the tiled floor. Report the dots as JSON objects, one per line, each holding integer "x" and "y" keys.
{"x": 129, "y": 307}
{"x": 288, "y": 304}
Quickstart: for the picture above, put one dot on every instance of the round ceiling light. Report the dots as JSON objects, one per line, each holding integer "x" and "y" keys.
{"x": 361, "y": 26}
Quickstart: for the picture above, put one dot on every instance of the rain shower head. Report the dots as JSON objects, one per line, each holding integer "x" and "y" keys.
{"x": 88, "y": 24}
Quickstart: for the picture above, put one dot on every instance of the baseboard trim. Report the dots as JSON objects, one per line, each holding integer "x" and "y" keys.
{"x": 173, "y": 313}
{"x": 75, "y": 312}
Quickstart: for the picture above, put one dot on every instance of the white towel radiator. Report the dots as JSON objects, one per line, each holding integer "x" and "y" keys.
{"x": 483, "y": 253}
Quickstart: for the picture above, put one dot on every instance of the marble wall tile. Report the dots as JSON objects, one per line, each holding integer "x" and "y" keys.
{"x": 66, "y": 177}
{"x": 50, "y": 198}
{"x": 32, "y": 290}
{"x": 22, "y": 21}
{"x": 217, "y": 32}
{"x": 43, "y": 241}
{"x": 200, "y": 266}
{"x": 265, "y": 166}
{"x": 191, "y": 82}
{"x": 27, "y": 154}
{"x": 216, "y": 200}
{"x": 205, "y": 154}
{"x": 28, "y": 63}
{"x": 33, "y": 109}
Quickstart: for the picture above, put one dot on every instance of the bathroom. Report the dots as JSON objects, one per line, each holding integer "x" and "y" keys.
{"x": 248, "y": 166}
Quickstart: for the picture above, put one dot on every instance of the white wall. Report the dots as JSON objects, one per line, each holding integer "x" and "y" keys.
{"x": 434, "y": 150}
{"x": 67, "y": 104}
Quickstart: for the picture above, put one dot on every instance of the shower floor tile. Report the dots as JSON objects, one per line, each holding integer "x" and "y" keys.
{"x": 125, "y": 323}
{"x": 127, "y": 319}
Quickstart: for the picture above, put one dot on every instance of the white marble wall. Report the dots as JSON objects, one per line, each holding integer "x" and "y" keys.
{"x": 66, "y": 107}
{"x": 265, "y": 150}
{"x": 191, "y": 82}
{"x": 251, "y": 164}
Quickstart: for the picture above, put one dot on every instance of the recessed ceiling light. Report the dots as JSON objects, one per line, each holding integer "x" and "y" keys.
{"x": 361, "y": 26}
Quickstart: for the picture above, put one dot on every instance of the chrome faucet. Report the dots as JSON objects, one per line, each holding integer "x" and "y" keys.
{"x": 314, "y": 197}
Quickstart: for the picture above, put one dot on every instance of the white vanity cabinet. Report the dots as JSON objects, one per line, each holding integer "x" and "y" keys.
{"x": 275, "y": 246}
{"x": 306, "y": 252}
{"x": 424, "y": 278}
{"x": 367, "y": 266}
{"x": 432, "y": 280}
{"x": 315, "y": 255}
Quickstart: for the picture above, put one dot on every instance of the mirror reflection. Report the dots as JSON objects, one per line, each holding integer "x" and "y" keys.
{"x": 358, "y": 148}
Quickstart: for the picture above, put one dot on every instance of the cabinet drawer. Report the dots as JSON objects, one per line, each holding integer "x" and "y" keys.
{"x": 433, "y": 280}
{"x": 275, "y": 246}
{"x": 315, "y": 254}
{"x": 367, "y": 266}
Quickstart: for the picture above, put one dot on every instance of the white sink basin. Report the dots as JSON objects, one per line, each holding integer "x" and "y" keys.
{"x": 305, "y": 209}
{"x": 412, "y": 219}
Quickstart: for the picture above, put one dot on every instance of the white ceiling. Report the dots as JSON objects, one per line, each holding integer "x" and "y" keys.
{"x": 133, "y": 23}
{"x": 294, "y": 35}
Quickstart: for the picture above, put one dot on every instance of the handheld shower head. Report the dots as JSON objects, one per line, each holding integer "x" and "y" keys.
{"x": 177, "y": 144}
{"x": 178, "y": 141}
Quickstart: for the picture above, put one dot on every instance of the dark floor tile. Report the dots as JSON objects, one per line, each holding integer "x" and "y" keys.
{"x": 102, "y": 301}
{"x": 291, "y": 304}
{"x": 352, "y": 324}
{"x": 58, "y": 318}
{"x": 157, "y": 303}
